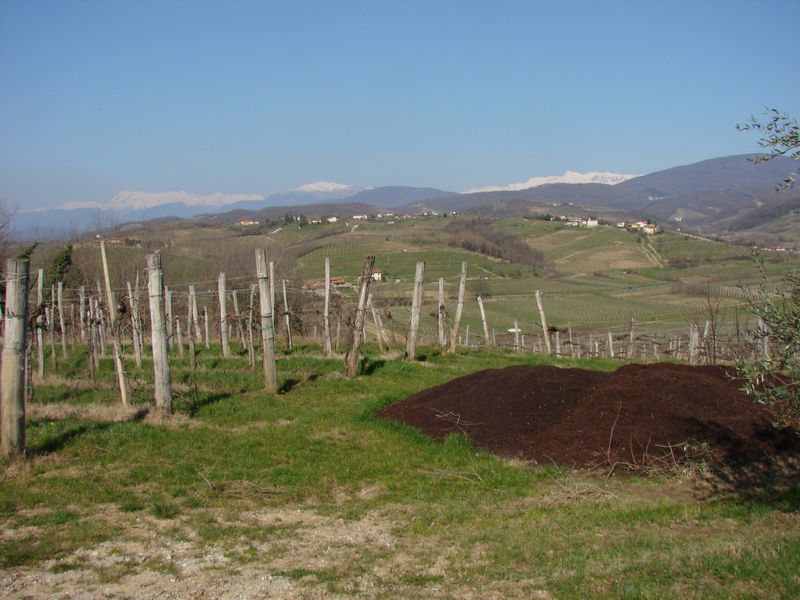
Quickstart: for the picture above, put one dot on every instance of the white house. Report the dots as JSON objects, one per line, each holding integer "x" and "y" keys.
{"x": 377, "y": 275}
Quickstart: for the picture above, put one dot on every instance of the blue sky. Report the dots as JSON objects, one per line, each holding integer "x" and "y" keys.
{"x": 260, "y": 97}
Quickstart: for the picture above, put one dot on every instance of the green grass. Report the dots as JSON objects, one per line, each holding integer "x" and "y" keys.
{"x": 309, "y": 486}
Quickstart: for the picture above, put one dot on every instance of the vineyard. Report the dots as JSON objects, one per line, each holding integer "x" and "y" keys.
{"x": 292, "y": 487}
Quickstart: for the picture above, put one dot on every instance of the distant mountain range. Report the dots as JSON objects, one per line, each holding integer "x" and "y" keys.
{"x": 712, "y": 194}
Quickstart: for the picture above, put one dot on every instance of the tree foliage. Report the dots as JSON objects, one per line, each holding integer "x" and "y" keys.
{"x": 60, "y": 266}
{"x": 771, "y": 368}
{"x": 781, "y": 135}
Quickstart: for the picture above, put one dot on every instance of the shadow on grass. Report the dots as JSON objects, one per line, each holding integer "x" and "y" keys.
{"x": 370, "y": 366}
{"x": 289, "y": 384}
{"x": 194, "y": 404}
{"x": 69, "y": 433}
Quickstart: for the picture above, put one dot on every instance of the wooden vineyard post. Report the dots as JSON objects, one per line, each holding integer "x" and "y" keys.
{"x": 545, "y": 331}
{"x": 81, "y": 311}
{"x": 239, "y": 325}
{"x": 190, "y": 326}
{"x": 557, "y": 340}
{"x": 267, "y": 332}
{"x": 377, "y": 320}
{"x": 462, "y": 286}
{"x": 168, "y": 296}
{"x": 223, "y": 316}
{"x": 206, "y": 343}
{"x": 272, "y": 291}
{"x": 516, "y": 335}
{"x": 610, "y": 346}
{"x": 40, "y": 322}
{"x": 571, "y": 345}
{"x": 137, "y": 350}
{"x": 119, "y": 359}
{"x": 694, "y": 335}
{"x": 51, "y": 328}
{"x": 61, "y": 321}
{"x": 251, "y": 350}
{"x": 195, "y": 316}
{"x": 631, "y": 341}
{"x": 416, "y": 305}
{"x": 466, "y": 336}
{"x": 12, "y": 377}
{"x": 441, "y": 316}
{"x": 138, "y": 314}
{"x": 286, "y": 318}
{"x": 158, "y": 332}
{"x": 485, "y": 324}
{"x": 351, "y": 357}
{"x": 192, "y": 317}
{"x": 179, "y": 333}
{"x": 326, "y": 313}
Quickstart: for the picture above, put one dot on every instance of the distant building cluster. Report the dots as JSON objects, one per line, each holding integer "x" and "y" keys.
{"x": 647, "y": 227}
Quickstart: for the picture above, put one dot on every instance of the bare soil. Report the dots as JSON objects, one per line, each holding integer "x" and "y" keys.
{"x": 638, "y": 415}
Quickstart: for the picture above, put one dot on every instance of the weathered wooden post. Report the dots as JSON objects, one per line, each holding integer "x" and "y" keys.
{"x": 82, "y": 311}
{"x": 137, "y": 350}
{"x": 571, "y": 345}
{"x": 267, "y": 332}
{"x": 441, "y": 316}
{"x": 119, "y": 360}
{"x": 179, "y": 333}
{"x": 61, "y": 321}
{"x": 610, "y": 346}
{"x": 694, "y": 343}
{"x": 557, "y": 340}
{"x": 223, "y": 316}
{"x": 239, "y": 325}
{"x": 158, "y": 333}
{"x": 286, "y": 318}
{"x": 51, "y": 335}
{"x": 272, "y": 291}
{"x": 462, "y": 286}
{"x": 206, "y": 341}
{"x": 376, "y": 319}
{"x": 545, "y": 331}
{"x": 190, "y": 337}
{"x": 326, "y": 316}
{"x": 631, "y": 341}
{"x": 416, "y": 305}
{"x": 516, "y": 335}
{"x": 351, "y": 357}
{"x": 168, "y": 296}
{"x": 485, "y": 324}
{"x": 251, "y": 349}
{"x": 12, "y": 377}
{"x": 195, "y": 316}
{"x": 40, "y": 322}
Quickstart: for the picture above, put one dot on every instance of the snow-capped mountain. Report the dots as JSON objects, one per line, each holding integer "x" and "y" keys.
{"x": 568, "y": 177}
{"x": 324, "y": 187}
{"x": 137, "y": 200}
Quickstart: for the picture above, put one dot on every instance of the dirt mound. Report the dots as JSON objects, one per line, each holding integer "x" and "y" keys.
{"x": 634, "y": 416}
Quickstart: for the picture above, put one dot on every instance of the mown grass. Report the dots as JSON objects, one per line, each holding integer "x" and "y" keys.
{"x": 461, "y": 520}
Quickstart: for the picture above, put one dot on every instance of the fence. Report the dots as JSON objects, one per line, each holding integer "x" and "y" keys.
{"x": 333, "y": 313}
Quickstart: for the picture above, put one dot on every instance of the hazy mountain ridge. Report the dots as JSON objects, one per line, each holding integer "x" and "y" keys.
{"x": 708, "y": 194}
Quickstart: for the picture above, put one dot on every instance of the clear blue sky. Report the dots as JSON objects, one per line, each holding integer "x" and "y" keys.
{"x": 259, "y": 97}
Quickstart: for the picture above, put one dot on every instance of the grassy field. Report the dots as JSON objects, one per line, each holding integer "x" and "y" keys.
{"x": 306, "y": 494}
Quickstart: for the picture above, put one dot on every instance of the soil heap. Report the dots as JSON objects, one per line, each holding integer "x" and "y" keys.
{"x": 634, "y": 416}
